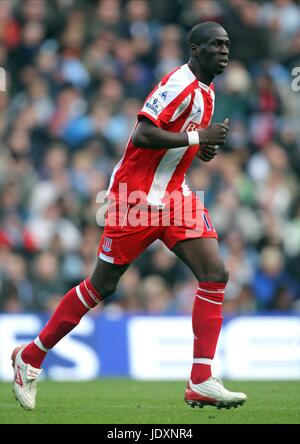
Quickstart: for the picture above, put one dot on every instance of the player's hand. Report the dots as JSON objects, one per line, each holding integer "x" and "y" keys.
{"x": 207, "y": 152}
{"x": 214, "y": 134}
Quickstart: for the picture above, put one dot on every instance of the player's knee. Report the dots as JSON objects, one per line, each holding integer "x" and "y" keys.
{"x": 105, "y": 287}
{"x": 218, "y": 273}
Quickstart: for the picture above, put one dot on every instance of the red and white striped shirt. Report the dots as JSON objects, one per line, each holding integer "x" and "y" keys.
{"x": 178, "y": 103}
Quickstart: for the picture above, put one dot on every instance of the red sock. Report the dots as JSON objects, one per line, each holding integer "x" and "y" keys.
{"x": 73, "y": 306}
{"x": 207, "y": 322}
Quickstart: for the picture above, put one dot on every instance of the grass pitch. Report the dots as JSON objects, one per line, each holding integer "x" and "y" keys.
{"x": 120, "y": 401}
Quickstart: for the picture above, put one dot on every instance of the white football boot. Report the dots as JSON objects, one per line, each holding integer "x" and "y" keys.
{"x": 25, "y": 379}
{"x": 212, "y": 392}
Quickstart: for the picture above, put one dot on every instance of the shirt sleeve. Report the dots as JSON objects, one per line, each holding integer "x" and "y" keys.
{"x": 164, "y": 104}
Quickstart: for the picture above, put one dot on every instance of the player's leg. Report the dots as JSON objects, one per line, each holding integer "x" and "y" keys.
{"x": 27, "y": 360}
{"x": 202, "y": 256}
{"x": 106, "y": 276}
{"x": 75, "y": 304}
{"x": 119, "y": 246}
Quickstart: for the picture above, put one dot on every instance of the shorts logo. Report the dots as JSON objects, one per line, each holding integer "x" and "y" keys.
{"x": 163, "y": 95}
{"x": 154, "y": 105}
{"x": 107, "y": 241}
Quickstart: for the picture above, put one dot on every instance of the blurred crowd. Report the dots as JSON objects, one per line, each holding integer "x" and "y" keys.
{"x": 77, "y": 72}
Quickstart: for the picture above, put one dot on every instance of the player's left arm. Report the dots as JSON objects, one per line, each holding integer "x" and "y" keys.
{"x": 148, "y": 135}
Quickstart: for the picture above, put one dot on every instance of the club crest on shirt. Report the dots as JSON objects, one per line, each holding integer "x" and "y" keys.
{"x": 163, "y": 95}
{"x": 107, "y": 241}
{"x": 154, "y": 105}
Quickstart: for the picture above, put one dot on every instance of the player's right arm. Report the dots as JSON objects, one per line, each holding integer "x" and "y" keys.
{"x": 148, "y": 135}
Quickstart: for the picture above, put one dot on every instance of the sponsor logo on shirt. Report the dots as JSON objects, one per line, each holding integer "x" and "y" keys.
{"x": 193, "y": 126}
{"x": 154, "y": 105}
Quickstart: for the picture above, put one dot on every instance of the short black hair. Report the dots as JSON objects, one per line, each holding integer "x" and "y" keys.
{"x": 199, "y": 33}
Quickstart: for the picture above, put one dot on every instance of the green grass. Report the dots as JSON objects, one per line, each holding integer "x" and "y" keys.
{"x": 117, "y": 401}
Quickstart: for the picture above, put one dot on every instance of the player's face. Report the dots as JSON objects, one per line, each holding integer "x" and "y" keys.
{"x": 213, "y": 55}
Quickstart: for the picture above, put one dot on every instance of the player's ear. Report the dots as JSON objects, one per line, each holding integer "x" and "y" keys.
{"x": 194, "y": 48}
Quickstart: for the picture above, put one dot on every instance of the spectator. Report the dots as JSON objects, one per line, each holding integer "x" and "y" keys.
{"x": 272, "y": 284}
